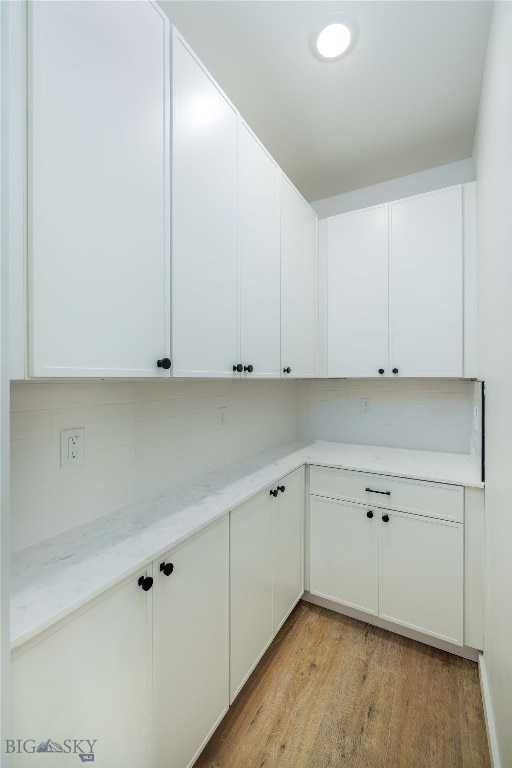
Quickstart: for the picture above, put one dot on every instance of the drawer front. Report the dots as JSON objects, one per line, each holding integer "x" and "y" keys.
{"x": 445, "y": 502}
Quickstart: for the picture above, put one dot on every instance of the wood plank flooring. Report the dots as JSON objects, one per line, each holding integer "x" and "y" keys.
{"x": 332, "y": 691}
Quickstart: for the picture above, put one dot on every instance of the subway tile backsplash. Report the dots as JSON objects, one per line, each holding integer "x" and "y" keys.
{"x": 142, "y": 437}
{"x": 421, "y": 414}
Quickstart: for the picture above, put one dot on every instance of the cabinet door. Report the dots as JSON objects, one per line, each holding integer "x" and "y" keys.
{"x": 344, "y": 553}
{"x": 422, "y": 575}
{"x": 88, "y": 680}
{"x": 299, "y": 304}
{"x": 288, "y": 545}
{"x": 259, "y": 252}
{"x": 357, "y": 285}
{"x": 251, "y": 586}
{"x": 99, "y": 243}
{"x": 204, "y": 257}
{"x": 191, "y": 641}
{"x": 426, "y": 285}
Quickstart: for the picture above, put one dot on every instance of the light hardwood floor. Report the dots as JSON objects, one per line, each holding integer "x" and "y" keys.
{"x": 332, "y": 692}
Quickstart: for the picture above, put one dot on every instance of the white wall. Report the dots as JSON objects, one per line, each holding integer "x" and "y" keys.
{"x": 493, "y": 165}
{"x": 423, "y": 414}
{"x": 5, "y": 13}
{"x": 139, "y": 438}
{"x": 413, "y": 184}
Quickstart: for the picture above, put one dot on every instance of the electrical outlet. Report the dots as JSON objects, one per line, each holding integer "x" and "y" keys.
{"x": 222, "y": 419}
{"x": 365, "y": 406}
{"x": 72, "y": 447}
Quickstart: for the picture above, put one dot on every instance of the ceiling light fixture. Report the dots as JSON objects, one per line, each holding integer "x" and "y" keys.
{"x": 334, "y": 35}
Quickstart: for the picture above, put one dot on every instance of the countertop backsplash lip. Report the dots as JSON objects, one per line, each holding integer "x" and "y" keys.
{"x": 56, "y": 577}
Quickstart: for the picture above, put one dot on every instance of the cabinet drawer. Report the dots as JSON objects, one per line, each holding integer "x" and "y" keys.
{"x": 445, "y": 502}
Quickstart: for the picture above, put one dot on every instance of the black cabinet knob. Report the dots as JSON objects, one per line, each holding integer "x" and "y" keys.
{"x": 249, "y": 368}
{"x": 166, "y": 568}
{"x": 395, "y": 370}
{"x": 146, "y": 582}
{"x": 238, "y": 368}
{"x": 164, "y": 363}
{"x": 385, "y": 518}
{"x": 369, "y": 514}
{"x": 273, "y": 492}
{"x": 381, "y": 371}
{"x": 281, "y": 488}
{"x": 287, "y": 370}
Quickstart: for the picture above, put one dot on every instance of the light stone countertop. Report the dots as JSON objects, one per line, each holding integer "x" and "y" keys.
{"x": 52, "y": 579}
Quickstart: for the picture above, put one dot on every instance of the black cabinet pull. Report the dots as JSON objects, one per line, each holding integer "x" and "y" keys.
{"x": 249, "y": 368}
{"x": 273, "y": 492}
{"x": 287, "y": 370}
{"x": 164, "y": 363}
{"x": 146, "y": 582}
{"x": 395, "y": 370}
{"x": 369, "y": 514}
{"x": 281, "y": 488}
{"x": 385, "y": 518}
{"x": 381, "y": 371}
{"x": 238, "y": 368}
{"x": 383, "y": 493}
{"x": 167, "y": 568}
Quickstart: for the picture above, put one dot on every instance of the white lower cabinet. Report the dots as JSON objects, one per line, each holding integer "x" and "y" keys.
{"x": 343, "y": 553}
{"x": 87, "y": 680}
{"x": 405, "y": 567}
{"x": 250, "y": 586}
{"x": 267, "y": 571}
{"x": 190, "y": 646}
{"x": 288, "y": 546}
{"x": 422, "y": 568}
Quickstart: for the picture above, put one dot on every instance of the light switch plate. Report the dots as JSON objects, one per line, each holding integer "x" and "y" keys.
{"x": 72, "y": 447}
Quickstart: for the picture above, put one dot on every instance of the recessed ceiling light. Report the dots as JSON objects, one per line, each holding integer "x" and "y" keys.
{"x": 334, "y": 36}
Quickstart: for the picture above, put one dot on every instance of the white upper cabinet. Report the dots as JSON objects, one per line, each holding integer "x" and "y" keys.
{"x": 299, "y": 285}
{"x": 398, "y": 301}
{"x": 259, "y": 253}
{"x": 99, "y": 175}
{"x": 357, "y": 293}
{"x": 426, "y": 285}
{"x": 205, "y": 337}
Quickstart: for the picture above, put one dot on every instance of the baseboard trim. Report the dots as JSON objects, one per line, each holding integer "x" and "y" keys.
{"x": 488, "y": 713}
{"x": 464, "y": 651}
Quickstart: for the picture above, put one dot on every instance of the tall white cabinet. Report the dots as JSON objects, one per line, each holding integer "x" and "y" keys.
{"x": 357, "y": 293}
{"x": 99, "y": 174}
{"x": 426, "y": 284}
{"x": 259, "y": 254}
{"x": 205, "y": 339}
{"x": 299, "y": 285}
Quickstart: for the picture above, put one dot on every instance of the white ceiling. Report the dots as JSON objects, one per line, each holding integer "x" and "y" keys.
{"x": 403, "y": 100}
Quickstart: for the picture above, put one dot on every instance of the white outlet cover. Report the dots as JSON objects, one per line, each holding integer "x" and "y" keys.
{"x": 72, "y": 447}
{"x": 222, "y": 419}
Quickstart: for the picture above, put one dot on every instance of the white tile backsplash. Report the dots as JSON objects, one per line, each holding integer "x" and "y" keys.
{"x": 424, "y": 414}
{"x": 144, "y": 437}
{"x": 140, "y": 438}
